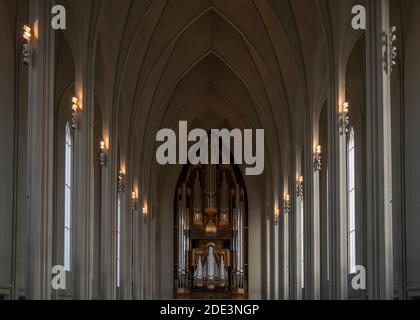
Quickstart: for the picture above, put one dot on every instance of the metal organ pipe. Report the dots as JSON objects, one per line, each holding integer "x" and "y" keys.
{"x": 238, "y": 237}
{"x": 211, "y": 186}
{"x": 242, "y": 244}
{"x": 183, "y": 226}
{"x": 198, "y": 212}
{"x": 224, "y": 202}
{"x": 179, "y": 241}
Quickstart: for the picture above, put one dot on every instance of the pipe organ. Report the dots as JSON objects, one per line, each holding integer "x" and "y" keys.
{"x": 211, "y": 231}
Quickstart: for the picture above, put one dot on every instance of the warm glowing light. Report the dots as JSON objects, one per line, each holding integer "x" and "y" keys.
{"x": 301, "y": 179}
{"x": 27, "y": 33}
{"x": 133, "y": 195}
{"x": 145, "y": 210}
{"x": 102, "y": 145}
{"x": 287, "y": 198}
{"x": 74, "y": 106}
{"x": 123, "y": 170}
{"x": 318, "y": 150}
{"x": 346, "y": 107}
{"x": 277, "y": 212}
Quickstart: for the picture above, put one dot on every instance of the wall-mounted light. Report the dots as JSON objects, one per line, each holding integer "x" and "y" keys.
{"x": 345, "y": 119}
{"x": 120, "y": 181}
{"x": 75, "y": 114}
{"x": 392, "y": 49}
{"x": 27, "y": 46}
{"x": 318, "y": 159}
{"x": 286, "y": 205}
{"x": 145, "y": 212}
{"x": 276, "y": 217}
{"x": 102, "y": 154}
{"x": 300, "y": 187}
{"x": 133, "y": 201}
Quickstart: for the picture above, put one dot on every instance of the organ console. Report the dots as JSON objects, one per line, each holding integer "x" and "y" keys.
{"x": 211, "y": 231}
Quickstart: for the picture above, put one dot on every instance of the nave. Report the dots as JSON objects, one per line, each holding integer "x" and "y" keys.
{"x": 335, "y": 214}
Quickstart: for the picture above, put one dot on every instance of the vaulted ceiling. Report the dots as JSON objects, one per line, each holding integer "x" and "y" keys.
{"x": 243, "y": 63}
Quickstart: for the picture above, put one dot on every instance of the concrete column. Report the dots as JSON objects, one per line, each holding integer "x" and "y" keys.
{"x": 276, "y": 248}
{"x": 294, "y": 261}
{"x": 312, "y": 219}
{"x": 284, "y": 249}
{"x": 315, "y": 238}
{"x": 39, "y": 209}
{"x": 337, "y": 184}
{"x": 86, "y": 157}
{"x": 378, "y": 155}
{"x": 126, "y": 239}
{"x": 137, "y": 254}
{"x": 295, "y": 234}
{"x": 272, "y": 254}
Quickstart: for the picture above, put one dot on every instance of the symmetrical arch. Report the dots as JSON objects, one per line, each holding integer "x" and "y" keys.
{"x": 136, "y": 67}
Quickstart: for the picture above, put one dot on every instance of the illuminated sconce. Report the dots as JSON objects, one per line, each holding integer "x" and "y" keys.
{"x": 120, "y": 181}
{"x": 286, "y": 205}
{"x": 277, "y": 217}
{"x": 344, "y": 119}
{"x": 75, "y": 114}
{"x": 145, "y": 212}
{"x": 392, "y": 49}
{"x": 300, "y": 187}
{"x": 134, "y": 201}
{"x": 27, "y": 47}
{"x": 318, "y": 159}
{"x": 102, "y": 154}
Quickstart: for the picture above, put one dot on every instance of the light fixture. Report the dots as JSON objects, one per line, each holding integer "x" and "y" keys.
{"x": 102, "y": 154}
{"x": 145, "y": 212}
{"x": 300, "y": 187}
{"x": 277, "y": 217}
{"x": 392, "y": 49}
{"x": 27, "y": 47}
{"x": 318, "y": 159}
{"x": 344, "y": 119}
{"x": 120, "y": 181}
{"x": 286, "y": 204}
{"x": 75, "y": 114}
{"x": 133, "y": 201}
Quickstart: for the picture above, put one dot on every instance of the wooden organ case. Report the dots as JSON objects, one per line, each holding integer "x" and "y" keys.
{"x": 211, "y": 231}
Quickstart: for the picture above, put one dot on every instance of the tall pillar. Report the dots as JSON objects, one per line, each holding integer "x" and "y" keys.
{"x": 295, "y": 235}
{"x": 378, "y": 154}
{"x": 137, "y": 257}
{"x": 315, "y": 237}
{"x": 276, "y": 247}
{"x": 273, "y": 256}
{"x": 39, "y": 209}
{"x": 127, "y": 238}
{"x": 311, "y": 220}
{"x": 284, "y": 248}
{"x": 86, "y": 157}
{"x": 337, "y": 183}
{"x": 267, "y": 247}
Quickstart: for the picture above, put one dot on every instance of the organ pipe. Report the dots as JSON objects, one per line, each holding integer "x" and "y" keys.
{"x": 183, "y": 227}
{"x": 211, "y": 190}
{"x": 207, "y": 256}
{"x": 198, "y": 210}
{"x": 224, "y": 202}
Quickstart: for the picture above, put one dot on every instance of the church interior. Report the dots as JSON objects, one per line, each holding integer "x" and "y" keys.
{"x": 335, "y": 85}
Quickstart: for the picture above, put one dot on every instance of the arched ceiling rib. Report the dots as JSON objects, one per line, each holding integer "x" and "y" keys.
{"x": 267, "y": 48}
